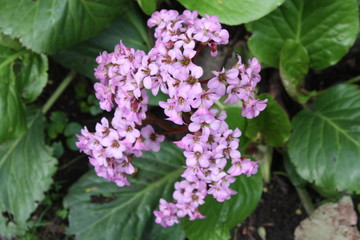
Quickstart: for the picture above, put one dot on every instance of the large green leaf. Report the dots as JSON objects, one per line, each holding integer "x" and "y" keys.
{"x": 49, "y": 25}
{"x": 11, "y": 108}
{"x": 325, "y": 28}
{"x": 101, "y": 210}
{"x": 9, "y": 42}
{"x": 23, "y": 75}
{"x": 294, "y": 65}
{"x": 233, "y": 12}
{"x": 235, "y": 120}
{"x": 26, "y": 169}
{"x": 130, "y": 28}
{"x": 148, "y": 6}
{"x": 325, "y": 143}
{"x": 32, "y": 75}
{"x": 222, "y": 217}
{"x": 272, "y": 124}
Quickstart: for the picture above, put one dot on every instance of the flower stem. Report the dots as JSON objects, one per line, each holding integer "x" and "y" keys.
{"x": 156, "y": 120}
{"x": 220, "y": 105}
{"x": 58, "y": 91}
{"x": 353, "y": 80}
{"x": 305, "y": 200}
{"x": 202, "y": 45}
{"x": 176, "y": 130}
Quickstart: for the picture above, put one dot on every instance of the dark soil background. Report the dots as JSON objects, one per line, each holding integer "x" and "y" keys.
{"x": 279, "y": 210}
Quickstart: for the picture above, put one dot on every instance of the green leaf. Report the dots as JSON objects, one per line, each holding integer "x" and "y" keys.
{"x": 325, "y": 144}
{"x": 32, "y": 75}
{"x": 235, "y": 120}
{"x": 273, "y": 124}
{"x": 70, "y": 132}
{"x": 294, "y": 65}
{"x": 13, "y": 122}
{"x": 101, "y": 210}
{"x": 233, "y": 12}
{"x": 23, "y": 75}
{"x": 72, "y": 128}
{"x": 148, "y": 6}
{"x": 57, "y": 124}
{"x": 58, "y": 149}
{"x": 26, "y": 169}
{"x": 130, "y": 28}
{"x": 327, "y": 29}
{"x": 222, "y": 217}
{"x": 9, "y": 42}
{"x": 49, "y": 25}
{"x": 154, "y": 100}
{"x": 294, "y": 177}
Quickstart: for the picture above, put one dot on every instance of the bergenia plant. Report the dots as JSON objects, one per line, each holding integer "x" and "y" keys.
{"x": 126, "y": 76}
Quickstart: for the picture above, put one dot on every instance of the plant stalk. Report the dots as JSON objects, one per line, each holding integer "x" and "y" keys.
{"x": 50, "y": 102}
{"x": 353, "y": 80}
{"x": 305, "y": 200}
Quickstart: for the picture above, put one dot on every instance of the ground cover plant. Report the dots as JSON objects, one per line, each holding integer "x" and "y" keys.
{"x": 195, "y": 111}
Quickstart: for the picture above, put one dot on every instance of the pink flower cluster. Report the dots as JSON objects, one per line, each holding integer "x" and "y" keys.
{"x": 112, "y": 147}
{"x": 169, "y": 67}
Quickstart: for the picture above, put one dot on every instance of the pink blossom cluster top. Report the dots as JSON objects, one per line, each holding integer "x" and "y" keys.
{"x": 125, "y": 76}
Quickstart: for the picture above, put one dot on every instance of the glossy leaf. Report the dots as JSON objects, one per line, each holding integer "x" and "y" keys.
{"x": 23, "y": 75}
{"x": 9, "y": 42}
{"x": 272, "y": 124}
{"x": 294, "y": 65}
{"x": 101, "y": 210}
{"x": 26, "y": 169}
{"x": 57, "y": 124}
{"x": 222, "y": 217}
{"x": 327, "y": 29}
{"x": 233, "y": 12}
{"x": 235, "y": 120}
{"x": 325, "y": 144}
{"x": 32, "y": 75}
{"x": 49, "y": 25}
{"x": 12, "y": 114}
{"x": 130, "y": 28}
{"x": 148, "y": 6}
{"x": 70, "y": 132}
{"x": 293, "y": 176}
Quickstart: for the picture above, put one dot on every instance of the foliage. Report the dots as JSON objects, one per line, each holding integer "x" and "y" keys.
{"x": 304, "y": 34}
{"x": 23, "y": 75}
{"x": 233, "y": 12}
{"x": 26, "y": 166}
{"x": 294, "y": 36}
{"x": 273, "y": 116}
{"x": 222, "y": 217}
{"x": 325, "y": 29}
{"x": 47, "y": 26}
{"x": 95, "y": 204}
{"x": 325, "y": 144}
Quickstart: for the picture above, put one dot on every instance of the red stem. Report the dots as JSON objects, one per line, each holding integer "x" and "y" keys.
{"x": 205, "y": 81}
{"x": 156, "y": 120}
{"x": 202, "y": 45}
{"x": 176, "y": 130}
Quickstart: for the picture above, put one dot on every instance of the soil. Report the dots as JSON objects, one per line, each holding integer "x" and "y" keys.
{"x": 279, "y": 210}
{"x": 277, "y": 215}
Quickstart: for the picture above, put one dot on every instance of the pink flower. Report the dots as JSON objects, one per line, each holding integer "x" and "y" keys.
{"x": 253, "y": 108}
{"x": 125, "y": 77}
{"x": 243, "y": 166}
{"x": 152, "y": 140}
{"x": 221, "y": 79}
